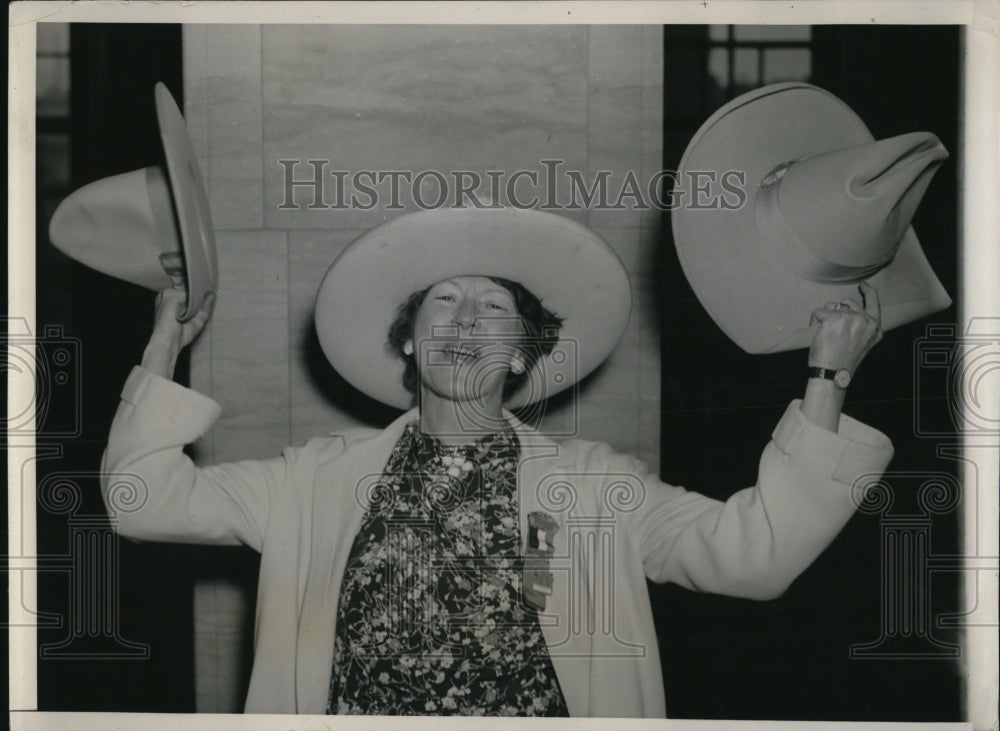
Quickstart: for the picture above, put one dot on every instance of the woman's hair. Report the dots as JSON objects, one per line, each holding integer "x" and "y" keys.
{"x": 541, "y": 334}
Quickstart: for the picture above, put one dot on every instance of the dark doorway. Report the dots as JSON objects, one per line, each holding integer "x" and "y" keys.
{"x": 790, "y": 658}
{"x": 96, "y": 117}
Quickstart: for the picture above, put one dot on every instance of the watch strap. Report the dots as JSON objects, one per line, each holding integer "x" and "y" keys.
{"x": 840, "y": 376}
{"x": 827, "y": 373}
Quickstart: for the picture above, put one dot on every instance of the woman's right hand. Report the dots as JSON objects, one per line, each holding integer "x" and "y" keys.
{"x": 170, "y": 335}
{"x": 169, "y": 304}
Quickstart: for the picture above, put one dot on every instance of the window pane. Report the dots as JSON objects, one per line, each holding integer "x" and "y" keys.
{"x": 787, "y": 64}
{"x": 682, "y": 87}
{"x": 684, "y": 33}
{"x": 52, "y": 87}
{"x": 53, "y": 38}
{"x": 718, "y": 74}
{"x": 769, "y": 33}
{"x": 745, "y": 68}
{"x": 52, "y": 161}
{"x": 718, "y": 33}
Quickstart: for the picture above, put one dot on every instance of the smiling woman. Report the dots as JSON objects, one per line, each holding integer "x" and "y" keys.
{"x": 473, "y": 346}
{"x": 544, "y": 255}
{"x": 468, "y": 333}
{"x": 438, "y": 562}
{"x": 618, "y": 104}
{"x": 537, "y": 335}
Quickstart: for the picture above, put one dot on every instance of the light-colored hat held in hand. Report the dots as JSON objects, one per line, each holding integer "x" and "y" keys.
{"x": 127, "y": 225}
{"x": 827, "y": 207}
{"x": 569, "y": 267}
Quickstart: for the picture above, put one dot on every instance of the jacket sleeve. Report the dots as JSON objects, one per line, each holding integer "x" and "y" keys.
{"x": 758, "y": 541}
{"x": 152, "y": 489}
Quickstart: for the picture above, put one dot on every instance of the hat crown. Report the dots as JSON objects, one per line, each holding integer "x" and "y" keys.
{"x": 827, "y": 206}
{"x": 120, "y": 225}
{"x": 839, "y": 216}
{"x": 125, "y": 225}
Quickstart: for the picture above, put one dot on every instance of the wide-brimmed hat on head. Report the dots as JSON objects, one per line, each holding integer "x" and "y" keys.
{"x": 569, "y": 267}
{"x": 826, "y": 208}
{"x": 137, "y": 225}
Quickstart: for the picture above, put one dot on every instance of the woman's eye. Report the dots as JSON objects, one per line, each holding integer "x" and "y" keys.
{"x": 446, "y": 297}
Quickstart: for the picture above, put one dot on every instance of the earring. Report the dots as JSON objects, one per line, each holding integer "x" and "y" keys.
{"x": 408, "y": 347}
{"x": 517, "y": 366}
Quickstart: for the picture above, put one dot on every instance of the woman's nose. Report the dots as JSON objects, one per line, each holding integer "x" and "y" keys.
{"x": 465, "y": 315}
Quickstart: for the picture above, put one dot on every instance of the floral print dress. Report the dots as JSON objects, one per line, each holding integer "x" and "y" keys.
{"x": 431, "y": 617}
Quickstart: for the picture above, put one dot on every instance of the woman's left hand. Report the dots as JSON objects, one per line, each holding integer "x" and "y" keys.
{"x": 847, "y": 331}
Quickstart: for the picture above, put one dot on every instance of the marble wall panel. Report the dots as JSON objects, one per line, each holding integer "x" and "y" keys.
{"x": 235, "y": 129}
{"x": 200, "y": 379}
{"x": 630, "y": 245}
{"x": 615, "y": 55}
{"x": 196, "y": 70}
{"x": 647, "y": 297}
{"x": 254, "y": 281}
{"x": 221, "y": 620}
{"x": 608, "y": 403}
{"x": 194, "y": 42}
{"x": 614, "y": 121}
{"x": 252, "y": 384}
{"x": 651, "y": 120}
{"x": 439, "y": 98}
{"x": 415, "y": 99}
{"x": 648, "y": 448}
{"x": 249, "y": 340}
{"x": 616, "y": 399}
{"x": 319, "y": 398}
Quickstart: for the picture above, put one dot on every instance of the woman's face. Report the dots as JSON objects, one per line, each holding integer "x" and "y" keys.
{"x": 465, "y": 338}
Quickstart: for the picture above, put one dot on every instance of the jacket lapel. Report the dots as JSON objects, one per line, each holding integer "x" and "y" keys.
{"x": 339, "y": 502}
{"x": 545, "y": 487}
{"x": 339, "y": 505}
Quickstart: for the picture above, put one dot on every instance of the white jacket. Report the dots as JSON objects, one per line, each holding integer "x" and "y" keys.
{"x": 618, "y": 524}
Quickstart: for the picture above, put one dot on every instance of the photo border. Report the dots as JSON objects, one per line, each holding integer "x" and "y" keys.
{"x": 978, "y": 247}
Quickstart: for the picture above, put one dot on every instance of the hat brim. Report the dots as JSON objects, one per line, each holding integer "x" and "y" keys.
{"x": 759, "y": 304}
{"x": 570, "y": 268}
{"x": 194, "y": 218}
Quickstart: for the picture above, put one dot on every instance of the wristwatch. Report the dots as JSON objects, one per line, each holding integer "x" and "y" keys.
{"x": 841, "y": 377}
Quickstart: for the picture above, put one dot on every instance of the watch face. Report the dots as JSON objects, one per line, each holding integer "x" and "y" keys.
{"x": 842, "y": 378}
